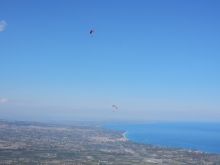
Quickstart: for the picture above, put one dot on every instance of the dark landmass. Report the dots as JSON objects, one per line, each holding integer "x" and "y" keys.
{"x": 35, "y": 143}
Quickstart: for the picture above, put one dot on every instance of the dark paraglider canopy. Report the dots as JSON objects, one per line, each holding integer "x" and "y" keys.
{"x": 91, "y": 31}
{"x": 114, "y": 107}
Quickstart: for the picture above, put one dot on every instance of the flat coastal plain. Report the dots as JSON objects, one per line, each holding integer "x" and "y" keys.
{"x": 86, "y": 144}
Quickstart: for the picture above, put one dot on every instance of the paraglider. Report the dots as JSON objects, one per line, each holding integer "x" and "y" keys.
{"x": 115, "y": 107}
{"x": 91, "y": 31}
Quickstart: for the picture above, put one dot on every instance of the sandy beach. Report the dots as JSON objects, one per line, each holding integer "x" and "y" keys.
{"x": 124, "y": 135}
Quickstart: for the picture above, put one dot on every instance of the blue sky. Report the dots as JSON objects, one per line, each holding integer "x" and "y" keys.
{"x": 155, "y": 60}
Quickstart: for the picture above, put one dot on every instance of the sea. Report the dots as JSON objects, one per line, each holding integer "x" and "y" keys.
{"x": 202, "y": 136}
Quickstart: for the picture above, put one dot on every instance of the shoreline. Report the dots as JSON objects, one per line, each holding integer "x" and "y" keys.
{"x": 124, "y": 135}
{"x": 196, "y": 148}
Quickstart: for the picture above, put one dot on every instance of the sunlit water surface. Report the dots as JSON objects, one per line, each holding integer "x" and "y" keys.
{"x": 203, "y": 136}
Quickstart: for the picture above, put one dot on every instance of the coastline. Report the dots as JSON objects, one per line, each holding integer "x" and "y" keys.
{"x": 124, "y": 135}
{"x": 183, "y": 143}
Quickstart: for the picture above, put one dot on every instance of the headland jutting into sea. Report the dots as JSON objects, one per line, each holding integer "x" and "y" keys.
{"x": 201, "y": 136}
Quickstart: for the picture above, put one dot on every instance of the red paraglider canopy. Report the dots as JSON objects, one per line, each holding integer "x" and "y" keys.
{"x": 91, "y": 31}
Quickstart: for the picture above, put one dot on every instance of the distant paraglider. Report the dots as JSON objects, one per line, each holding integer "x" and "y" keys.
{"x": 114, "y": 106}
{"x": 90, "y": 32}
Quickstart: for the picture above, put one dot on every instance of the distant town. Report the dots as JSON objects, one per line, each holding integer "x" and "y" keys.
{"x": 32, "y": 143}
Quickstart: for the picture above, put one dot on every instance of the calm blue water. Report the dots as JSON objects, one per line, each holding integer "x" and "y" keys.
{"x": 192, "y": 135}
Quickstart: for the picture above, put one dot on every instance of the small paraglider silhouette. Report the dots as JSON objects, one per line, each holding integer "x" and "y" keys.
{"x": 114, "y": 107}
{"x": 90, "y": 32}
